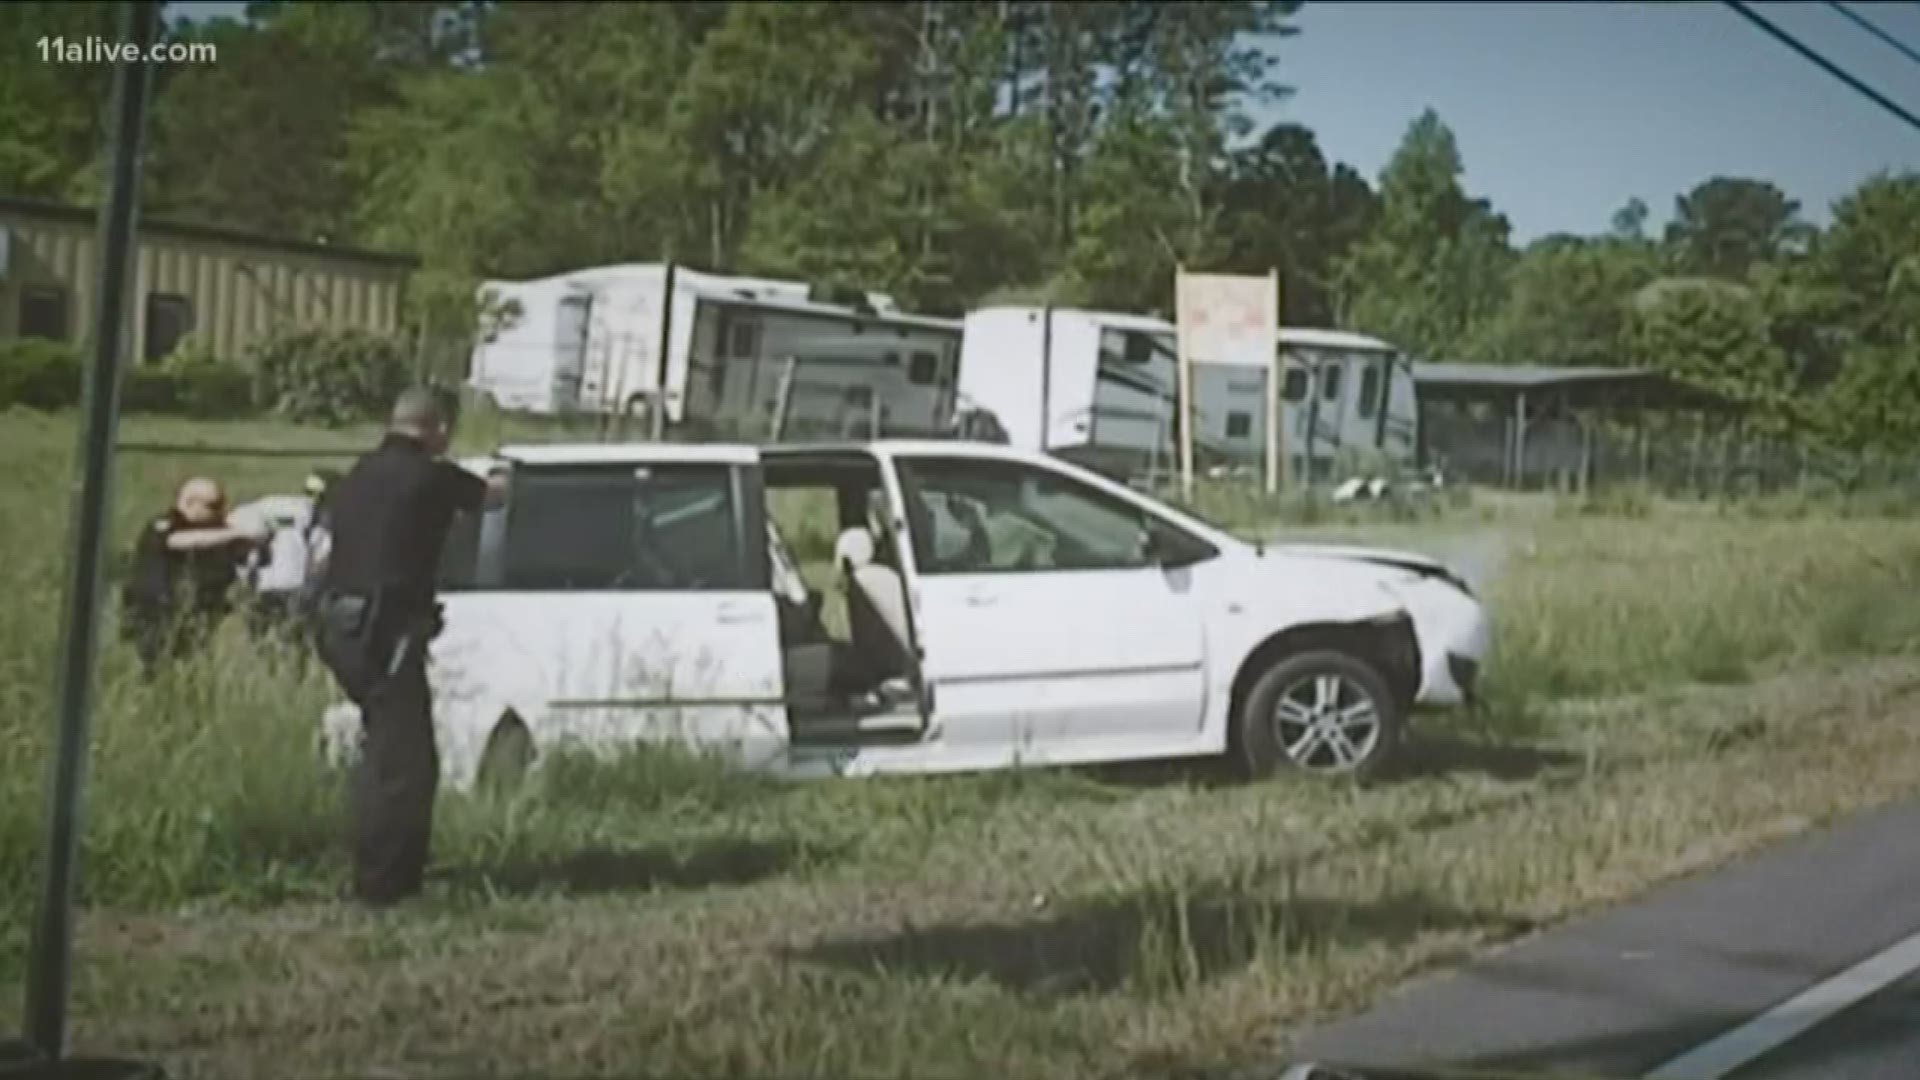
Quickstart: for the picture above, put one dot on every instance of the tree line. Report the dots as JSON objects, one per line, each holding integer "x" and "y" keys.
{"x": 954, "y": 154}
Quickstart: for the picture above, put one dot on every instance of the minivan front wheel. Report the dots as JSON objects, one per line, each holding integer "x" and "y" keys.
{"x": 1321, "y": 712}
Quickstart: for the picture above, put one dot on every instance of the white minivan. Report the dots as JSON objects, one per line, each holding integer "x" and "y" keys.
{"x": 1002, "y": 608}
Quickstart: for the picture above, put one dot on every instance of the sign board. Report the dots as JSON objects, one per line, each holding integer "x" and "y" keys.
{"x": 1229, "y": 319}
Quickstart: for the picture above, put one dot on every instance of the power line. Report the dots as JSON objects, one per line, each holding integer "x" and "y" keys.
{"x": 1823, "y": 63}
{"x": 1876, "y": 30}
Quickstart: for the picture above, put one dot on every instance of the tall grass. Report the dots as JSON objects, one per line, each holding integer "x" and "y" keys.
{"x": 209, "y": 783}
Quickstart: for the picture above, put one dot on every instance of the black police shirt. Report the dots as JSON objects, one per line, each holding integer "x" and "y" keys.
{"x": 391, "y": 514}
{"x": 160, "y": 574}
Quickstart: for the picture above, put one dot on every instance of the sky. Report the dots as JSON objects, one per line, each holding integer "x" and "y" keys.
{"x": 1565, "y": 110}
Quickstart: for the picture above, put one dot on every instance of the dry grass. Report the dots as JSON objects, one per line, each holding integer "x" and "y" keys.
{"x": 656, "y": 916}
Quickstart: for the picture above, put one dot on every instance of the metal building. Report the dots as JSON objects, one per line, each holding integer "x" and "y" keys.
{"x": 226, "y": 288}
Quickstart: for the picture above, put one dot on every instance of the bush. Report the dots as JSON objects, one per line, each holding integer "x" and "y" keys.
{"x": 193, "y": 382}
{"x": 38, "y": 374}
{"x": 331, "y": 377}
{"x": 47, "y": 375}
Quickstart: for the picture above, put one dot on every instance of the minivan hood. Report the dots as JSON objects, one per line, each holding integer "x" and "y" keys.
{"x": 1423, "y": 565}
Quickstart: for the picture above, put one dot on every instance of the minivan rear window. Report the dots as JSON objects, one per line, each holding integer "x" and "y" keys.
{"x": 604, "y": 528}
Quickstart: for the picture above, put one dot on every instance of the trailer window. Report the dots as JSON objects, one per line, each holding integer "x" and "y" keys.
{"x": 1239, "y": 425}
{"x": 1330, "y": 380}
{"x": 1293, "y": 387}
{"x": 743, "y": 339}
{"x": 1369, "y": 391}
{"x": 924, "y": 369}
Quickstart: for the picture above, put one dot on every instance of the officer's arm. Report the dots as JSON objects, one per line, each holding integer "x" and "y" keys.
{"x": 464, "y": 491}
{"x": 202, "y": 539}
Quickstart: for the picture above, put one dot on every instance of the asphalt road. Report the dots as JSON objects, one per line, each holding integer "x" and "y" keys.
{"x": 1630, "y": 990}
{"x": 1878, "y": 1039}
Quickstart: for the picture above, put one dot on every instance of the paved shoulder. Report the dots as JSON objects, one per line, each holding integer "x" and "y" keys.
{"x": 1625, "y": 991}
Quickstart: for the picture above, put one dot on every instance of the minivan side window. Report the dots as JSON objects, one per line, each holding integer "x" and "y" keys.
{"x": 605, "y": 528}
{"x": 981, "y": 516}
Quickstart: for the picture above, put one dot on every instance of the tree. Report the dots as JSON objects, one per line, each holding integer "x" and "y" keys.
{"x": 1714, "y": 335}
{"x": 1432, "y": 268}
{"x": 1567, "y": 303}
{"x": 1725, "y": 226}
{"x": 50, "y": 113}
{"x": 1284, "y": 209}
{"x": 1862, "y": 293}
{"x": 1630, "y": 221}
{"x": 1866, "y": 258}
{"x": 1150, "y": 198}
{"x": 277, "y": 106}
{"x": 760, "y": 103}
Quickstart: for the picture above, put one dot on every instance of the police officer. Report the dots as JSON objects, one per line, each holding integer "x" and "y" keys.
{"x": 184, "y": 565}
{"x": 377, "y": 610}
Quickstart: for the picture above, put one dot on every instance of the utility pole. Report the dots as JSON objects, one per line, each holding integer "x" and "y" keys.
{"x": 50, "y": 961}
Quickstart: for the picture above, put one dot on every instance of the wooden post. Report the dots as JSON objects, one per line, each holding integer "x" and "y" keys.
{"x": 1183, "y": 408}
{"x": 1643, "y": 438}
{"x": 1275, "y": 370}
{"x": 1586, "y": 453}
{"x": 1520, "y": 442}
{"x": 1693, "y": 454}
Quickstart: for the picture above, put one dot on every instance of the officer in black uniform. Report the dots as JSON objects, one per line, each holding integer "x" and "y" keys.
{"x": 377, "y": 611}
{"x": 184, "y": 566}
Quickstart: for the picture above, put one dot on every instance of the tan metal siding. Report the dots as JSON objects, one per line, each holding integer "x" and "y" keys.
{"x": 239, "y": 292}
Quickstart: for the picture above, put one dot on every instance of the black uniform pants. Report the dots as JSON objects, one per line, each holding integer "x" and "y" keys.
{"x": 394, "y": 785}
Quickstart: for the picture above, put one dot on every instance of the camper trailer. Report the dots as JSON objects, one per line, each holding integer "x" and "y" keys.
{"x": 1109, "y": 383}
{"x": 739, "y": 353}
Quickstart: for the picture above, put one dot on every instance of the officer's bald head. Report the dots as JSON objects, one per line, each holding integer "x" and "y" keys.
{"x": 424, "y": 414}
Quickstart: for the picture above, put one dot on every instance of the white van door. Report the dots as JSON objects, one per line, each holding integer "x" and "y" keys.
{"x": 609, "y": 604}
{"x": 1046, "y": 624}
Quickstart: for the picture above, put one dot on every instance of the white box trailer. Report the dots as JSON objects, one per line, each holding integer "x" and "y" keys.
{"x": 1111, "y": 383}
{"x": 588, "y": 342}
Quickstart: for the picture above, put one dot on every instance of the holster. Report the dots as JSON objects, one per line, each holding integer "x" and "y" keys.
{"x": 366, "y": 640}
{"x": 349, "y": 636}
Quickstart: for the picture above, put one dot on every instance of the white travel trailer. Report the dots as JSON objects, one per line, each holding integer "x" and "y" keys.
{"x": 589, "y": 342}
{"x": 1111, "y": 380}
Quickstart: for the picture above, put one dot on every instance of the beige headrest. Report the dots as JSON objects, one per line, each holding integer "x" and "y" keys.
{"x": 854, "y": 549}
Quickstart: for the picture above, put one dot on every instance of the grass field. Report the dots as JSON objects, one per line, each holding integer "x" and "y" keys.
{"x": 1675, "y": 685}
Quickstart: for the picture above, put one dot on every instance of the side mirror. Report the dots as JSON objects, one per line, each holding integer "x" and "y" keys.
{"x": 1171, "y": 550}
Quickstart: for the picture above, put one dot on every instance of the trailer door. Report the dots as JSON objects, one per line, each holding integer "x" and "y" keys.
{"x": 570, "y": 349}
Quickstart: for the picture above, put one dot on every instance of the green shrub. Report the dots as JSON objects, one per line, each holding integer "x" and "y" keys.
{"x": 192, "y": 382}
{"x": 331, "y": 377}
{"x": 47, "y": 375}
{"x": 37, "y": 374}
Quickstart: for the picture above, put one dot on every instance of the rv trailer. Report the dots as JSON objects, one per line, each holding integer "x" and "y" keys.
{"x": 1109, "y": 383}
{"x": 739, "y": 351}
